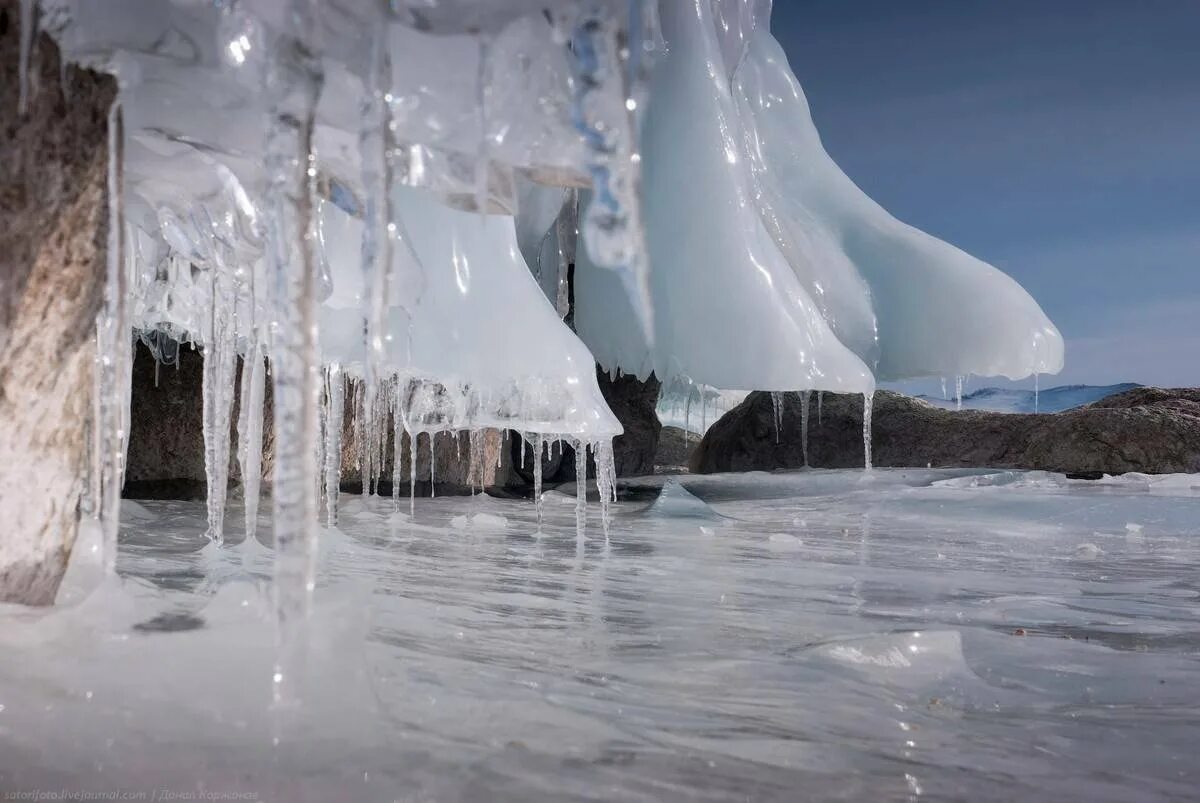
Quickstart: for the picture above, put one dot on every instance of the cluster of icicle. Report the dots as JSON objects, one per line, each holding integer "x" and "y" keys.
{"x": 379, "y": 204}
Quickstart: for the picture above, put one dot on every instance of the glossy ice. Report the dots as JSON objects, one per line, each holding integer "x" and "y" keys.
{"x": 894, "y": 635}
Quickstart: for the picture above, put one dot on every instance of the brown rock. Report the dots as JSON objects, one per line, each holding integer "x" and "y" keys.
{"x": 53, "y": 226}
{"x": 1150, "y": 430}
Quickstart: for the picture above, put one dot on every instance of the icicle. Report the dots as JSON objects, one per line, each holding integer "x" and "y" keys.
{"x": 524, "y": 443}
{"x": 703, "y": 410}
{"x": 250, "y": 431}
{"x": 605, "y": 479}
{"x": 611, "y": 69}
{"x": 804, "y": 425}
{"x": 537, "y": 477}
{"x": 958, "y": 390}
{"x": 413, "y": 443}
{"x": 1035, "y": 392}
{"x": 113, "y": 352}
{"x": 217, "y": 387}
{"x": 335, "y": 400}
{"x": 399, "y": 416}
{"x": 945, "y": 396}
{"x": 687, "y": 415}
{"x": 820, "y": 400}
{"x": 28, "y": 33}
{"x": 375, "y": 145}
{"x": 868, "y": 404}
{"x": 293, "y": 83}
{"x": 777, "y": 410}
{"x": 567, "y": 235}
{"x": 580, "y": 487}
{"x": 432, "y": 451}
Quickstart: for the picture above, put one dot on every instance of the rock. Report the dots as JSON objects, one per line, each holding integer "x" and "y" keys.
{"x": 1149, "y": 430}
{"x": 634, "y": 403}
{"x": 675, "y": 447}
{"x": 53, "y": 225}
{"x": 166, "y": 436}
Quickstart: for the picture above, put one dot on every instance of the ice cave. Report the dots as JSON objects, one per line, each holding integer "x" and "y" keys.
{"x": 410, "y": 289}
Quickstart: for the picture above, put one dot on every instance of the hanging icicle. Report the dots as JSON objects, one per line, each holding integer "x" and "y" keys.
{"x": 777, "y": 411}
{"x": 294, "y": 80}
{"x": 868, "y": 405}
{"x": 335, "y": 406}
{"x": 537, "y": 477}
{"x": 220, "y": 359}
{"x": 804, "y": 425}
{"x": 114, "y": 353}
{"x": 250, "y": 432}
{"x": 580, "y": 487}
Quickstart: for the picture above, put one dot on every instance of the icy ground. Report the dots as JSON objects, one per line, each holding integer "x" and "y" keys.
{"x": 892, "y": 635}
{"x": 1017, "y": 400}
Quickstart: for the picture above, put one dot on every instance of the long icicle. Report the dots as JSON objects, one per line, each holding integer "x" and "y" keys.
{"x": 398, "y": 416}
{"x": 294, "y": 83}
{"x": 378, "y": 231}
{"x": 580, "y": 487}
{"x": 804, "y": 395}
{"x": 114, "y": 348}
{"x": 537, "y": 477}
{"x": 217, "y": 390}
{"x": 335, "y": 398}
{"x": 250, "y": 431}
{"x": 868, "y": 405}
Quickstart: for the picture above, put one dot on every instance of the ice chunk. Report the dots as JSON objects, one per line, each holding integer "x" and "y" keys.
{"x": 856, "y": 259}
{"x": 713, "y": 260}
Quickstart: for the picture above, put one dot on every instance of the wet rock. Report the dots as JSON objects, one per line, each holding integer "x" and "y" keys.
{"x": 53, "y": 224}
{"x": 1149, "y": 430}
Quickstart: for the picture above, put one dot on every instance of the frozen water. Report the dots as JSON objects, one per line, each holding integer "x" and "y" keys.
{"x": 832, "y": 631}
{"x": 1016, "y": 400}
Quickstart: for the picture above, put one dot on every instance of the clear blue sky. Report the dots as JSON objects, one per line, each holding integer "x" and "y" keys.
{"x": 1057, "y": 139}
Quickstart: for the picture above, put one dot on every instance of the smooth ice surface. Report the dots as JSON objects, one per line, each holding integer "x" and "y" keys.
{"x": 1016, "y": 400}
{"x": 855, "y": 636}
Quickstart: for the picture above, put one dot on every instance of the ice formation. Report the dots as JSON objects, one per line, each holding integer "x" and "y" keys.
{"x": 384, "y": 203}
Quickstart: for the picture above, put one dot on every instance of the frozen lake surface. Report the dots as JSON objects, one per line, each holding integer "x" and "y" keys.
{"x": 892, "y": 635}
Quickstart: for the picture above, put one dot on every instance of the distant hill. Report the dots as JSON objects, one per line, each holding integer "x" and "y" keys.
{"x": 1050, "y": 400}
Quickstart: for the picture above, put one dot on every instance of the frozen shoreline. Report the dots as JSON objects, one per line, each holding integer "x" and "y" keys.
{"x": 852, "y": 634}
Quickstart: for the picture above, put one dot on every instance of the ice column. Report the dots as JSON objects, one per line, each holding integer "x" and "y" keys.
{"x": 293, "y": 84}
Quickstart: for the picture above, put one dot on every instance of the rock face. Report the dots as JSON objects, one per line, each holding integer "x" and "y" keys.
{"x": 53, "y": 225}
{"x": 1149, "y": 430}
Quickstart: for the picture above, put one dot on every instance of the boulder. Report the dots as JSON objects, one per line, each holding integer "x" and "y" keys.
{"x": 53, "y": 225}
{"x": 1149, "y": 430}
{"x": 675, "y": 447}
